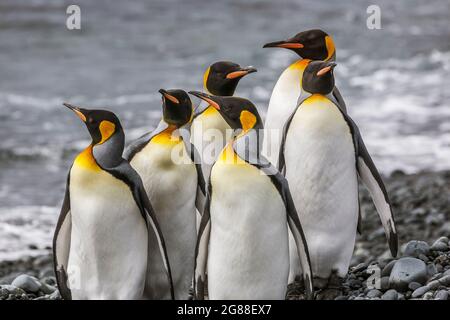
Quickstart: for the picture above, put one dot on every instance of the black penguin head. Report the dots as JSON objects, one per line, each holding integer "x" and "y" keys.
{"x": 102, "y": 124}
{"x": 222, "y": 78}
{"x": 311, "y": 44}
{"x": 239, "y": 113}
{"x": 318, "y": 77}
{"x": 177, "y": 107}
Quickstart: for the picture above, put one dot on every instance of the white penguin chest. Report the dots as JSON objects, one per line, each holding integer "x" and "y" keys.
{"x": 282, "y": 103}
{"x": 321, "y": 170}
{"x": 107, "y": 229}
{"x": 248, "y": 250}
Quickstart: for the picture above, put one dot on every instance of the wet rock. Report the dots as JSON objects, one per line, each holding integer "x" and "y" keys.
{"x": 441, "y": 295}
{"x": 420, "y": 292}
{"x": 374, "y": 293}
{"x": 415, "y": 248}
{"x": 388, "y": 268}
{"x": 391, "y": 294}
{"x": 384, "y": 283}
{"x": 27, "y": 283}
{"x": 405, "y": 271}
{"x": 439, "y": 246}
{"x": 414, "y": 285}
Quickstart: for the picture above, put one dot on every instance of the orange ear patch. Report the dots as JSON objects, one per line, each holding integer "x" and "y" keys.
{"x": 329, "y": 43}
{"x": 248, "y": 120}
{"x": 107, "y": 128}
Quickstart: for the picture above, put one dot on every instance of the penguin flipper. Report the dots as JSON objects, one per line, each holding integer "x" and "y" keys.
{"x": 297, "y": 231}
{"x": 340, "y": 101}
{"x": 201, "y": 250}
{"x": 369, "y": 174}
{"x": 195, "y": 157}
{"x": 372, "y": 180}
{"x": 61, "y": 245}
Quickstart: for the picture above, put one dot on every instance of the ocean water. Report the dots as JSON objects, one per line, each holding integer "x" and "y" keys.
{"x": 394, "y": 80}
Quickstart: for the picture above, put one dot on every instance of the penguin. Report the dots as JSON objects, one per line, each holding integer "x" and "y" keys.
{"x": 309, "y": 45}
{"x": 100, "y": 245}
{"x": 165, "y": 161}
{"x": 322, "y": 154}
{"x": 209, "y": 131}
{"x": 243, "y": 239}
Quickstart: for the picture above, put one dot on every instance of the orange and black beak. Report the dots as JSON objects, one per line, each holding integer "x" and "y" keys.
{"x": 330, "y": 66}
{"x": 168, "y": 96}
{"x": 78, "y": 111}
{"x": 287, "y": 44}
{"x": 240, "y": 73}
{"x": 206, "y": 97}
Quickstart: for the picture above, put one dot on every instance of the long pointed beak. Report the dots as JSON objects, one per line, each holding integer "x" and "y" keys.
{"x": 240, "y": 73}
{"x": 206, "y": 97}
{"x": 288, "y": 44}
{"x": 330, "y": 66}
{"x": 168, "y": 96}
{"x": 77, "y": 111}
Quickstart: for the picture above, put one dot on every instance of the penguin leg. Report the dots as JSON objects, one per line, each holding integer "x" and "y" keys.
{"x": 332, "y": 289}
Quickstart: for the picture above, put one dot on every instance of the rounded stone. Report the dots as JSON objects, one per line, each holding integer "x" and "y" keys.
{"x": 407, "y": 270}
{"x": 414, "y": 285}
{"x": 439, "y": 246}
{"x": 415, "y": 248}
{"x": 27, "y": 283}
{"x": 388, "y": 268}
{"x": 374, "y": 293}
{"x": 441, "y": 295}
{"x": 391, "y": 294}
{"x": 420, "y": 292}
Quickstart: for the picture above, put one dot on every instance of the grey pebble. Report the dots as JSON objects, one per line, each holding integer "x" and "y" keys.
{"x": 384, "y": 283}
{"x": 441, "y": 295}
{"x": 390, "y": 295}
{"x": 420, "y": 292}
{"x": 428, "y": 296}
{"x": 407, "y": 270}
{"x": 388, "y": 268}
{"x": 414, "y": 248}
{"x": 414, "y": 285}
{"x": 439, "y": 246}
{"x": 374, "y": 293}
{"x": 27, "y": 283}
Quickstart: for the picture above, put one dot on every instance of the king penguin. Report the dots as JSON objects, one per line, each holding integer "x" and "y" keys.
{"x": 209, "y": 131}
{"x": 321, "y": 154}
{"x": 165, "y": 161}
{"x": 100, "y": 246}
{"x": 243, "y": 238}
{"x": 309, "y": 45}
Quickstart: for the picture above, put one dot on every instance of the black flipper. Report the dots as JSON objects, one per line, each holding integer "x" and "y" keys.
{"x": 340, "y": 101}
{"x": 201, "y": 250}
{"x": 200, "y": 199}
{"x": 373, "y": 182}
{"x": 61, "y": 245}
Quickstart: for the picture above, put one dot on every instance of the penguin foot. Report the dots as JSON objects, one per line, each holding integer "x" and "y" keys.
{"x": 191, "y": 293}
{"x": 332, "y": 289}
{"x": 296, "y": 291}
{"x": 328, "y": 294}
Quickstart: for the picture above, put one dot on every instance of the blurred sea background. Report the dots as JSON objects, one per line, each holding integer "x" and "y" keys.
{"x": 395, "y": 81}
